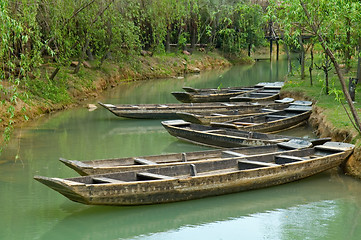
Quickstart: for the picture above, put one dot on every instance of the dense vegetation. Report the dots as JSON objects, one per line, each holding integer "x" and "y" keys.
{"x": 42, "y": 37}
{"x": 335, "y": 26}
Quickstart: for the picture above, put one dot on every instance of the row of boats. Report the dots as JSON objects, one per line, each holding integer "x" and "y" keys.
{"x": 248, "y": 156}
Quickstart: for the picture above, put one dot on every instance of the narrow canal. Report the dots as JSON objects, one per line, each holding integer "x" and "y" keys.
{"x": 326, "y": 206}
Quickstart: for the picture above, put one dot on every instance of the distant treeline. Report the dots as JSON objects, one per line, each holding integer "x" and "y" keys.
{"x": 39, "y": 37}
{"x": 65, "y": 30}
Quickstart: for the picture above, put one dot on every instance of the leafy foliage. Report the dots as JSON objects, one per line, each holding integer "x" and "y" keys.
{"x": 333, "y": 23}
{"x": 42, "y": 38}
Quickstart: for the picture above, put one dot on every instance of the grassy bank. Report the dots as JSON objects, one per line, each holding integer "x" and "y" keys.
{"x": 67, "y": 89}
{"x": 329, "y": 116}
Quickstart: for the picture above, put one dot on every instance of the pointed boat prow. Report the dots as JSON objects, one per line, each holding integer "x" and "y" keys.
{"x": 65, "y": 187}
{"x": 75, "y": 165}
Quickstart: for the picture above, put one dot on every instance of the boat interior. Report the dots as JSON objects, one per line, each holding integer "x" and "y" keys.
{"x": 207, "y": 168}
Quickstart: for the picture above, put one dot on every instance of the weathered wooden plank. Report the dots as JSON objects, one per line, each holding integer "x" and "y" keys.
{"x": 106, "y": 180}
{"x": 283, "y": 159}
{"x": 143, "y": 161}
{"x": 244, "y": 164}
{"x": 234, "y": 154}
{"x": 152, "y": 176}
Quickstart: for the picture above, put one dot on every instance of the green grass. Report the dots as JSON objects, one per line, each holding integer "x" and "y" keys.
{"x": 333, "y": 104}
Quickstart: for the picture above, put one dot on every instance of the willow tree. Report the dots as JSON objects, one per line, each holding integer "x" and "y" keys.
{"x": 241, "y": 27}
{"x": 19, "y": 58}
{"x": 250, "y": 23}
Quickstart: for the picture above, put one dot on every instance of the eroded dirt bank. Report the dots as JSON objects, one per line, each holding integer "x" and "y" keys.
{"x": 325, "y": 128}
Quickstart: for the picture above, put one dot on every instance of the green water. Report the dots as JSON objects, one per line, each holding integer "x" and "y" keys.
{"x": 326, "y": 206}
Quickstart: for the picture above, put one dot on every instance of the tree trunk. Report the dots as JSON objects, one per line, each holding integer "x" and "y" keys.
{"x": 54, "y": 73}
{"x": 356, "y": 118}
{"x": 83, "y": 53}
{"x": 87, "y": 39}
{"x": 270, "y": 48}
{"x": 326, "y": 79}
{"x": 311, "y": 66}
{"x": 302, "y": 57}
{"x": 289, "y": 62}
{"x": 359, "y": 61}
{"x": 167, "y": 40}
{"x": 193, "y": 36}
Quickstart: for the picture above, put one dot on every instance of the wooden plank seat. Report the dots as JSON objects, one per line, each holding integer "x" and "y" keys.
{"x": 261, "y": 93}
{"x": 233, "y": 154}
{"x": 283, "y": 159}
{"x": 244, "y": 164}
{"x": 218, "y": 114}
{"x": 152, "y": 176}
{"x": 228, "y": 104}
{"x": 142, "y": 161}
{"x": 106, "y": 180}
{"x": 245, "y": 123}
{"x": 162, "y": 106}
{"x": 333, "y": 146}
{"x": 270, "y": 110}
{"x": 213, "y": 130}
{"x": 235, "y": 90}
{"x": 276, "y": 116}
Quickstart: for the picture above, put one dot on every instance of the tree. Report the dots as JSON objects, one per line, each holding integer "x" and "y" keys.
{"x": 319, "y": 18}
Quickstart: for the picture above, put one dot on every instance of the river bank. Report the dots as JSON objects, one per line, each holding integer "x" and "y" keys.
{"x": 69, "y": 90}
{"x": 326, "y": 124}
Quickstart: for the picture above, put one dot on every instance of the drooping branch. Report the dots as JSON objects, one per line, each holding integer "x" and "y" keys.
{"x": 75, "y": 13}
{"x": 335, "y": 64}
{"x": 87, "y": 39}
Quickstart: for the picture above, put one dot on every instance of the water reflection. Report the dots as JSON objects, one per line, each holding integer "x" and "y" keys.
{"x": 289, "y": 211}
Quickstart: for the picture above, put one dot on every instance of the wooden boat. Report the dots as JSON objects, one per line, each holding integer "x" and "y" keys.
{"x": 267, "y": 85}
{"x": 199, "y": 179}
{"x": 290, "y": 117}
{"x": 215, "y": 116}
{"x": 216, "y": 95}
{"x": 256, "y": 96}
{"x": 103, "y": 166}
{"x": 224, "y": 137}
{"x": 261, "y": 93}
{"x": 320, "y": 189}
{"x": 169, "y": 111}
{"x": 221, "y": 94}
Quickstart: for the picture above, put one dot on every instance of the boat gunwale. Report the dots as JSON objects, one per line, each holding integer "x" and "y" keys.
{"x": 69, "y": 182}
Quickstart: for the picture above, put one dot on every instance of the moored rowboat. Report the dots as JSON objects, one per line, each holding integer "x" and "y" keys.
{"x": 102, "y": 166}
{"x": 267, "y": 85}
{"x": 222, "y": 94}
{"x": 214, "y": 96}
{"x": 168, "y": 111}
{"x": 290, "y": 117}
{"x": 223, "y": 137}
{"x": 199, "y": 179}
{"x": 224, "y": 116}
{"x": 255, "y": 96}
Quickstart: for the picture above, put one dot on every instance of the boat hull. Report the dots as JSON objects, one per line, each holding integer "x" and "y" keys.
{"x": 169, "y": 111}
{"x": 225, "y": 137}
{"x": 219, "y": 137}
{"x": 188, "y": 188}
{"x": 103, "y": 166}
{"x": 187, "y": 97}
{"x": 269, "y": 127}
